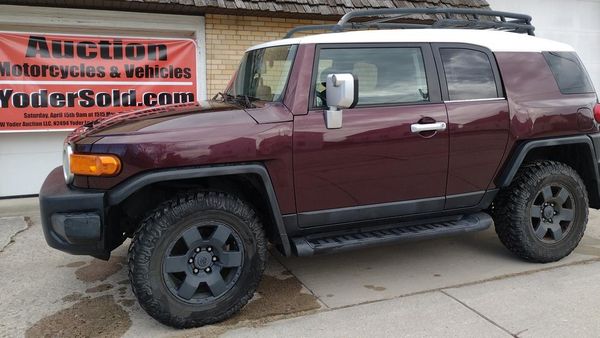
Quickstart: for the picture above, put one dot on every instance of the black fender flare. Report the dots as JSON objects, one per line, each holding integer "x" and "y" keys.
{"x": 506, "y": 175}
{"x": 125, "y": 189}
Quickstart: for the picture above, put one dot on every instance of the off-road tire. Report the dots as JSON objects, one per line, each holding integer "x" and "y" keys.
{"x": 150, "y": 243}
{"x": 512, "y": 215}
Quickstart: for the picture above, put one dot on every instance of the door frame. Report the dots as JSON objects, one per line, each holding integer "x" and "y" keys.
{"x": 441, "y": 74}
{"x": 431, "y": 71}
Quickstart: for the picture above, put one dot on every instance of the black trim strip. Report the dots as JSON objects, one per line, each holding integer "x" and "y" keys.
{"x": 367, "y": 212}
{"x": 465, "y": 200}
{"x": 518, "y": 155}
{"x": 124, "y": 190}
{"x": 385, "y": 213}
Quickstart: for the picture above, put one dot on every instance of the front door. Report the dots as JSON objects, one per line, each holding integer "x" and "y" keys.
{"x": 390, "y": 157}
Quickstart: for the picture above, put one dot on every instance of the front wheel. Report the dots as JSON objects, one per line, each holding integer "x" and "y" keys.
{"x": 197, "y": 259}
{"x": 542, "y": 215}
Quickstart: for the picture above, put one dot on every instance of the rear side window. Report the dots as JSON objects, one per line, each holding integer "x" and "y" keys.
{"x": 391, "y": 75}
{"x": 569, "y": 73}
{"x": 469, "y": 74}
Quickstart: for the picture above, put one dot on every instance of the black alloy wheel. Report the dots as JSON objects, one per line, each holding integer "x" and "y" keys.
{"x": 197, "y": 259}
{"x": 203, "y": 263}
{"x": 552, "y": 213}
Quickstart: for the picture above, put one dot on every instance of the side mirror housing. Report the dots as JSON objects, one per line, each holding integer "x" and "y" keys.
{"x": 342, "y": 92}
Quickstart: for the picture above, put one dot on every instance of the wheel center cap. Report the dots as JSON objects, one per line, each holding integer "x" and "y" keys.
{"x": 203, "y": 260}
{"x": 548, "y": 212}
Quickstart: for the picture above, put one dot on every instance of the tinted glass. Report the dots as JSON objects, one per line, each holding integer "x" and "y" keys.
{"x": 385, "y": 75}
{"x": 469, "y": 74}
{"x": 263, "y": 73}
{"x": 569, "y": 73}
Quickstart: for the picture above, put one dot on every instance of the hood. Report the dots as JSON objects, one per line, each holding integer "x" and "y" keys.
{"x": 172, "y": 117}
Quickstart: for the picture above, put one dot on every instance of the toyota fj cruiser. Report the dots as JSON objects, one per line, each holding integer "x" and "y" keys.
{"x": 333, "y": 142}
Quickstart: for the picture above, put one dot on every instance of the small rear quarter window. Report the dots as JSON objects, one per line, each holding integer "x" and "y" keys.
{"x": 569, "y": 73}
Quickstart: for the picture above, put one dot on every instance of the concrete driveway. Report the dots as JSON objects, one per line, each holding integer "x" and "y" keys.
{"x": 460, "y": 286}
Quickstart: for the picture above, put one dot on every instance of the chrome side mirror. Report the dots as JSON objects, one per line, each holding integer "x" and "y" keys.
{"x": 342, "y": 92}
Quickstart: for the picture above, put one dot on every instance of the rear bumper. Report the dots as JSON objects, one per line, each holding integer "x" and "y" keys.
{"x": 73, "y": 220}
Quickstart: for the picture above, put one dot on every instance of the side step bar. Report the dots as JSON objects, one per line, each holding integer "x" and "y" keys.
{"x": 336, "y": 242}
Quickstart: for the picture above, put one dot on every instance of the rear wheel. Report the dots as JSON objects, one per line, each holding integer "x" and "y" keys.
{"x": 197, "y": 260}
{"x": 542, "y": 215}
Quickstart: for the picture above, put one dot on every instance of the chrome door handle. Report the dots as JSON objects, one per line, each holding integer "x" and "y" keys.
{"x": 421, "y": 127}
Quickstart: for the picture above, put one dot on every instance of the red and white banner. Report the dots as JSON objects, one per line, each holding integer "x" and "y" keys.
{"x": 57, "y": 82}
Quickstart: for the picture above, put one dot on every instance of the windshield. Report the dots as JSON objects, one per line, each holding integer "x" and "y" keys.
{"x": 263, "y": 73}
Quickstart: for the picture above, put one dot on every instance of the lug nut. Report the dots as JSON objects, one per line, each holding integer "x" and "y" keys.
{"x": 197, "y": 250}
{"x": 207, "y": 270}
{"x": 556, "y": 212}
{"x": 551, "y": 220}
{"x": 196, "y": 270}
{"x": 214, "y": 259}
{"x": 209, "y": 249}
{"x": 191, "y": 260}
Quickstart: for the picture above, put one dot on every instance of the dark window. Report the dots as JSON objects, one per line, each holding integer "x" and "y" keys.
{"x": 469, "y": 74}
{"x": 263, "y": 73}
{"x": 385, "y": 75}
{"x": 569, "y": 73}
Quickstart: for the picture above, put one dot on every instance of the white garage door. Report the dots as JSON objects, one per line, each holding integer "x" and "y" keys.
{"x": 27, "y": 157}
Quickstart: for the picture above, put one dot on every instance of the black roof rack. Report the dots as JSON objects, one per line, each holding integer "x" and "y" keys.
{"x": 440, "y": 18}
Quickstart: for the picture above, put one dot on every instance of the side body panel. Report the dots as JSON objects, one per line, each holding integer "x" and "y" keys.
{"x": 537, "y": 107}
{"x": 478, "y": 137}
{"x": 478, "y": 126}
{"x": 374, "y": 158}
{"x": 198, "y": 139}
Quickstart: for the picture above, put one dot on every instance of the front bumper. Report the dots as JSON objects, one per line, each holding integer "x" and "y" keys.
{"x": 73, "y": 220}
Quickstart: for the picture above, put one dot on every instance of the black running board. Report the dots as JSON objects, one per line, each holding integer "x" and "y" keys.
{"x": 335, "y": 242}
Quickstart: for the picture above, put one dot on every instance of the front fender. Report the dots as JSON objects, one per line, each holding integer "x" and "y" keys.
{"x": 119, "y": 193}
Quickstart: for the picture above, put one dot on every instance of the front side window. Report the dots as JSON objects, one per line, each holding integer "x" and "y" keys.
{"x": 385, "y": 75}
{"x": 263, "y": 73}
{"x": 469, "y": 74}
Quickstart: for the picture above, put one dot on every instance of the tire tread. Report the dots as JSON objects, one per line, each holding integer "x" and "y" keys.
{"x": 157, "y": 222}
{"x": 510, "y": 208}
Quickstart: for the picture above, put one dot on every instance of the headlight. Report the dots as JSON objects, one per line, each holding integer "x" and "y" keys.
{"x": 67, "y": 152}
{"x": 94, "y": 164}
{"x": 88, "y": 164}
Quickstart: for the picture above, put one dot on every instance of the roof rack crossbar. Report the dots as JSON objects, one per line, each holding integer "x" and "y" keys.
{"x": 471, "y": 18}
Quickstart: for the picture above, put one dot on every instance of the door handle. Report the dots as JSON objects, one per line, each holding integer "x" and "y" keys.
{"x": 421, "y": 127}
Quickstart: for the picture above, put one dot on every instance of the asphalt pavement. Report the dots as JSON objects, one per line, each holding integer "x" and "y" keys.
{"x": 467, "y": 286}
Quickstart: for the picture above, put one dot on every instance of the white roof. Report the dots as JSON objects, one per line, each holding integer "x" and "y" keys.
{"x": 496, "y": 41}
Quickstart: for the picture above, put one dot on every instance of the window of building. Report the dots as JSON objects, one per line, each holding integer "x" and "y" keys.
{"x": 469, "y": 74}
{"x": 385, "y": 75}
{"x": 569, "y": 73}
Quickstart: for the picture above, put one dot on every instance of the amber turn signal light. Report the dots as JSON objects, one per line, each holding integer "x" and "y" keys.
{"x": 94, "y": 165}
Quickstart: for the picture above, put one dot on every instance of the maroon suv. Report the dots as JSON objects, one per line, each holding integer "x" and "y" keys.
{"x": 333, "y": 142}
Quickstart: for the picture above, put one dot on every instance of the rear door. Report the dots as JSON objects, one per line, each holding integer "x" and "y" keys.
{"x": 478, "y": 118}
{"x": 378, "y": 164}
